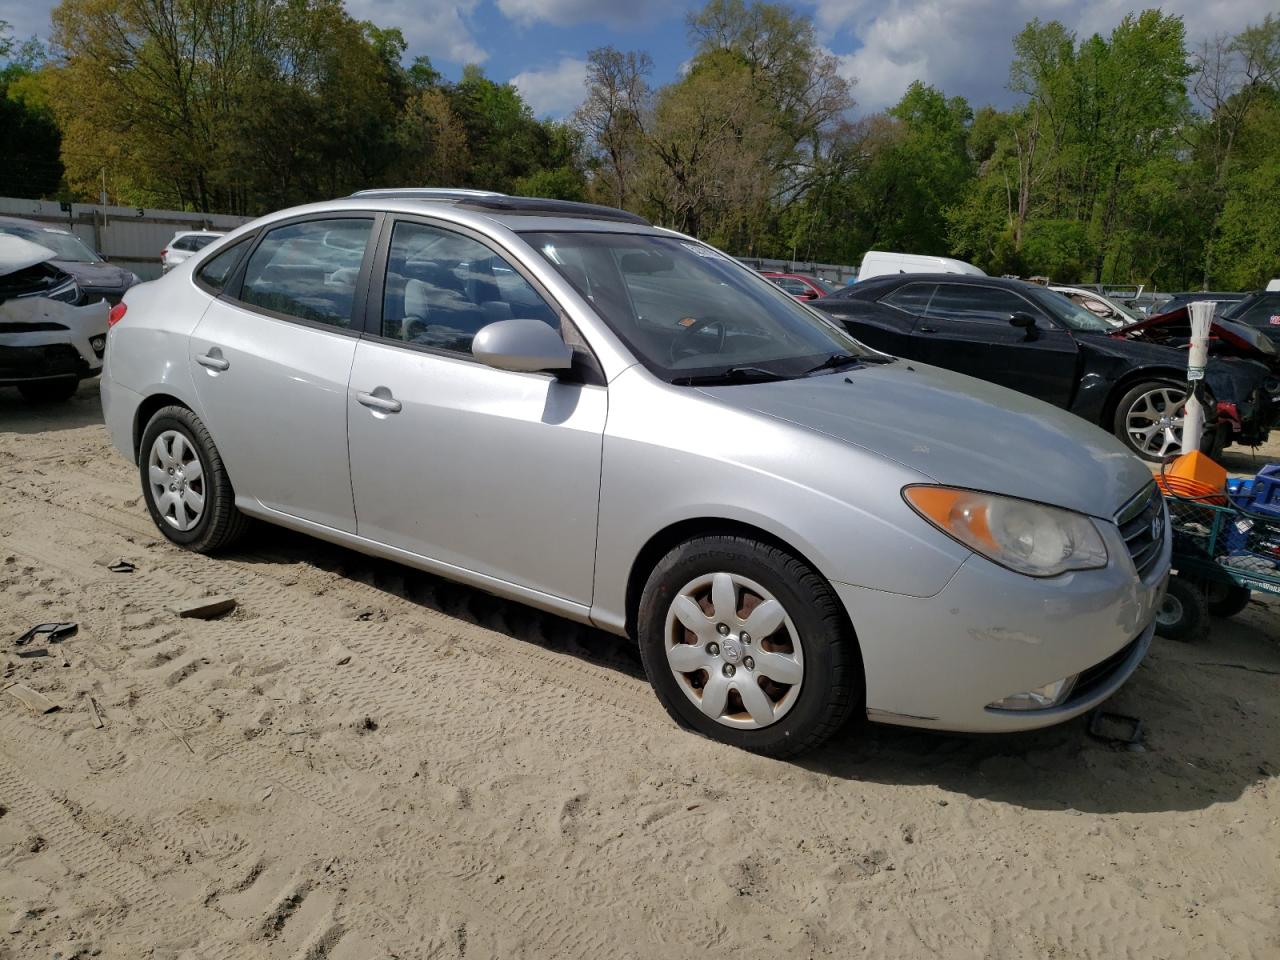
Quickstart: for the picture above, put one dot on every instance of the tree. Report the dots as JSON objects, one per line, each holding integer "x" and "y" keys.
{"x": 612, "y": 118}
{"x": 30, "y": 141}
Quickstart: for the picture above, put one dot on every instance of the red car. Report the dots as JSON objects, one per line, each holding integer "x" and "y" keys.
{"x": 801, "y": 287}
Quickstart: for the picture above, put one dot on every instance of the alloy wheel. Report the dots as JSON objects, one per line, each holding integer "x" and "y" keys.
{"x": 734, "y": 651}
{"x": 176, "y": 478}
{"x": 1154, "y": 421}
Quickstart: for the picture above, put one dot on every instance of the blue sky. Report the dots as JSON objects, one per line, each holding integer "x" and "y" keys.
{"x": 961, "y": 46}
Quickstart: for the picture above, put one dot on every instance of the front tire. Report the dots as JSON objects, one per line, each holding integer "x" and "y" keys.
{"x": 747, "y": 645}
{"x": 1184, "y": 611}
{"x": 49, "y": 391}
{"x": 185, "y": 484}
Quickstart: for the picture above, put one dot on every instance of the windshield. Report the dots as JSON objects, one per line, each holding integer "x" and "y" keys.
{"x": 1073, "y": 315}
{"x": 689, "y": 313}
{"x": 65, "y": 246}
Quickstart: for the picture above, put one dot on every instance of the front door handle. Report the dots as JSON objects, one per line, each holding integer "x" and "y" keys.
{"x": 383, "y": 404}
{"x": 928, "y": 329}
{"x": 213, "y": 360}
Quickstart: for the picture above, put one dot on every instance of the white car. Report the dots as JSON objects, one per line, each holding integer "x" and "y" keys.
{"x": 878, "y": 263}
{"x": 1105, "y": 308}
{"x": 184, "y": 244}
{"x": 49, "y": 339}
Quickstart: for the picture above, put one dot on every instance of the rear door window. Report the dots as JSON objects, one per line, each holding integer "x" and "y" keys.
{"x": 1265, "y": 312}
{"x": 217, "y": 270}
{"x": 308, "y": 271}
{"x": 910, "y": 297}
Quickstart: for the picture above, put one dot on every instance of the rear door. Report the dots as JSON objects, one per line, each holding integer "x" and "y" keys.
{"x": 966, "y": 328}
{"x": 271, "y": 358}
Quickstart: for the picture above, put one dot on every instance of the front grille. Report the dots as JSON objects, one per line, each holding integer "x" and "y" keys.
{"x": 1142, "y": 524}
{"x": 28, "y": 363}
{"x": 1100, "y": 674}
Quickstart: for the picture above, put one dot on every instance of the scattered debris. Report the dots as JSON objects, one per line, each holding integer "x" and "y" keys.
{"x": 266, "y": 794}
{"x": 56, "y": 632}
{"x": 122, "y": 566}
{"x": 206, "y": 608}
{"x": 181, "y": 739}
{"x": 1115, "y": 728}
{"x": 95, "y": 712}
{"x": 33, "y": 699}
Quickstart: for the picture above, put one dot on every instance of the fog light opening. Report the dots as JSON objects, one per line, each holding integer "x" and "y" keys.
{"x": 1040, "y": 698}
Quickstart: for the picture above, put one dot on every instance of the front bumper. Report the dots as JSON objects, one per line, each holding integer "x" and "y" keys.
{"x": 42, "y": 339}
{"x": 939, "y": 662}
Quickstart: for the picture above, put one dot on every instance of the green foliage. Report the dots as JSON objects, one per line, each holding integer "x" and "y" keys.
{"x": 29, "y": 138}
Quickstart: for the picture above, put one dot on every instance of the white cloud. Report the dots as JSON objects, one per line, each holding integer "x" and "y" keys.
{"x": 568, "y": 13}
{"x": 27, "y": 17}
{"x": 553, "y": 91}
{"x": 965, "y": 46}
{"x": 438, "y": 28}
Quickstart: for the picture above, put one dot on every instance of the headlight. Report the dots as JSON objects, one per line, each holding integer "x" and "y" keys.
{"x": 1026, "y": 537}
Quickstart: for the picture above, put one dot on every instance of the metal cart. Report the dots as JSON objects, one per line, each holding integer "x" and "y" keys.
{"x": 1221, "y": 554}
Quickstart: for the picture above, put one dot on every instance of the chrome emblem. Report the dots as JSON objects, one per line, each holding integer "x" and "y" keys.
{"x": 731, "y": 649}
{"x": 1157, "y": 525}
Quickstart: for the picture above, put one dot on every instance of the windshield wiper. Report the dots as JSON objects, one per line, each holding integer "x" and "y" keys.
{"x": 731, "y": 375}
{"x": 837, "y": 360}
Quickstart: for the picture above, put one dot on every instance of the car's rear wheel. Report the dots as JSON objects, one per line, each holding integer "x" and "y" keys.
{"x": 185, "y": 484}
{"x": 49, "y": 391}
{"x": 747, "y": 645}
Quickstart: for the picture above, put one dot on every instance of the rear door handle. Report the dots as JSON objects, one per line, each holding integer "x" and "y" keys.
{"x": 213, "y": 360}
{"x": 383, "y": 404}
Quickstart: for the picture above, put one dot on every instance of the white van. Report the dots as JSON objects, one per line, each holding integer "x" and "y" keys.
{"x": 876, "y": 263}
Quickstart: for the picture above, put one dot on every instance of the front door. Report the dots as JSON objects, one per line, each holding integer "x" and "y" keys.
{"x": 271, "y": 358}
{"x": 967, "y": 328}
{"x": 487, "y": 470}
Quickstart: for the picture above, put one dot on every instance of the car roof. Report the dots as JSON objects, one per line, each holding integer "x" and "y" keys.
{"x": 965, "y": 279}
{"x": 501, "y": 204}
{"x": 37, "y": 224}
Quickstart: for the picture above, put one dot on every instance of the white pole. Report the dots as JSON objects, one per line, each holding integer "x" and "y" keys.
{"x": 1197, "y": 356}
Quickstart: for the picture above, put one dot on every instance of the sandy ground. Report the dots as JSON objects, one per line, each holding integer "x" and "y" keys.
{"x": 365, "y": 762}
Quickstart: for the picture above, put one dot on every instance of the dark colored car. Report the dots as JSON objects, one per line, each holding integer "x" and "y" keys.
{"x": 1259, "y": 310}
{"x": 1029, "y": 338}
{"x": 800, "y": 286}
{"x": 1181, "y": 300}
{"x": 96, "y": 278}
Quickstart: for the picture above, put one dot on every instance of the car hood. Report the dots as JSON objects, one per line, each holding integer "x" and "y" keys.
{"x": 957, "y": 430}
{"x": 97, "y": 275}
{"x": 19, "y": 254}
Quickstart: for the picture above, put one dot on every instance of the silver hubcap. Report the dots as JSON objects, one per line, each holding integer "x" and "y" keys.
{"x": 1170, "y": 610}
{"x": 176, "y": 478}
{"x": 1154, "y": 422}
{"x": 734, "y": 651}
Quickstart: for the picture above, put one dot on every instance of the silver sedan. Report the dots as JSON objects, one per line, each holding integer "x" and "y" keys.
{"x": 563, "y": 405}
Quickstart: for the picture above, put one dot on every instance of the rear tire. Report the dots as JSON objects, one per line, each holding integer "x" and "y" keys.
{"x": 779, "y": 693}
{"x": 199, "y": 514}
{"x": 1226, "y": 600}
{"x": 49, "y": 391}
{"x": 1184, "y": 611}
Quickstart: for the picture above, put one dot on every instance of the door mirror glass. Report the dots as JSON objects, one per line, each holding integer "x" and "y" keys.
{"x": 521, "y": 344}
{"x": 1023, "y": 321}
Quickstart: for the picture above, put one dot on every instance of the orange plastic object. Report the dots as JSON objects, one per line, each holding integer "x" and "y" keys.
{"x": 1194, "y": 476}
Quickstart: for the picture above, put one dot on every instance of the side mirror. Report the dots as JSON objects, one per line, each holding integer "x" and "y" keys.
{"x": 808, "y": 295}
{"x": 1024, "y": 322}
{"x": 522, "y": 344}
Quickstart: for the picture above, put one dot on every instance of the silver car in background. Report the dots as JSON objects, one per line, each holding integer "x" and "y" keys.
{"x": 565, "y": 406}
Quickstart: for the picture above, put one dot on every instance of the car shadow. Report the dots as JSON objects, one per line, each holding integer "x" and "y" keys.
{"x": 18, "y": 415}
{"x": 1210, "y": 729}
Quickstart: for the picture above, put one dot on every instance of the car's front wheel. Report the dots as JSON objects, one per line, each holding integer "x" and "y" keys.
{"x": 748, "y": 645}
{"x": 185, "y": 484}
{"x": 49, "y": 391}
{"x": 1149, "y": 419}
